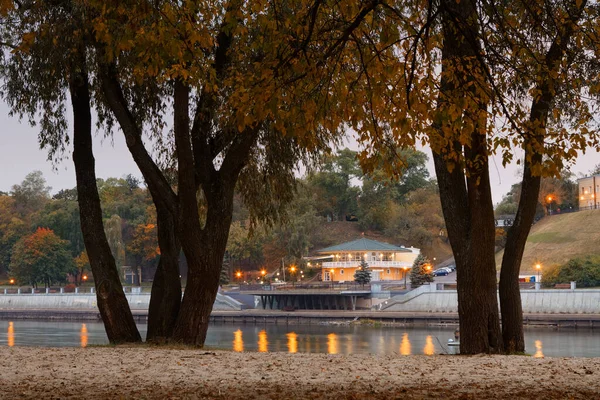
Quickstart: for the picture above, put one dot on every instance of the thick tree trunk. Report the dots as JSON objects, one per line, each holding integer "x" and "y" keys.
{"x": 477, "y": 290}
{"x": 465, "y": 190}
{"x": 112, "y": 303}
{"x": 165, "y": 300}
{"x": 510, "y": 294}
{"x": 205, "y": 259}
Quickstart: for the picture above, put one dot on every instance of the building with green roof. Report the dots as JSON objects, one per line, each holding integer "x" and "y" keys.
{"x": 387, "y": 262}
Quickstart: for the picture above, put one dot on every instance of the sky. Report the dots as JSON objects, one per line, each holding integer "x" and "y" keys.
{"x": 20, "y": 154}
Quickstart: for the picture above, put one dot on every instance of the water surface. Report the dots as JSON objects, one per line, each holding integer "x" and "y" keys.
{"x": 307, "y": 338}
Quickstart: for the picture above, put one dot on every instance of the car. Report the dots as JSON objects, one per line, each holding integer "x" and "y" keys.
{"x": 451, "y": 267}
{"x": 440, "y": 272}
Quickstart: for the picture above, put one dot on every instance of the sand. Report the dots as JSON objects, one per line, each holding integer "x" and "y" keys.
{"x": 159, "y": 373}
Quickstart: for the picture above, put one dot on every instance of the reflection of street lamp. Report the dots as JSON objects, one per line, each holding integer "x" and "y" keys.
{"x": 538, "y": 267}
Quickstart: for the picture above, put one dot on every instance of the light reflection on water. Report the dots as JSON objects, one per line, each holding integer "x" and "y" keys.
{"x": 405, "y": 345}
{"x": 307, "y": 338}
{"x": 238, "y": 341}
{"x": 538, "y": 349}
{"x": 84, "y": 335}
{"x": 10, "y": 335}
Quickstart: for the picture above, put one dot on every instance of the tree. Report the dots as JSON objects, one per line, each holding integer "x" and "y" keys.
{"x": 114, "y": 236}
{"x": 332, "y": 182}
{"x": 42, "y": 257}
{"x": 62, "y": 217}
{"x": 460, "y": 87}
{"x": 12, "y": 228}
{"x": 220, "y": 79}
{"x": 421, "y": 273}
{"x": 224, "y": 278}
{"x": 362, "y": 274}
{"x": 82, "y": 262}
{"x": 39, "y": 74}
{"x": 31, "y": 194}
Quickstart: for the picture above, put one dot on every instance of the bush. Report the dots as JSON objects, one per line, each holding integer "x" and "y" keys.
{"x": 584, "y": 271}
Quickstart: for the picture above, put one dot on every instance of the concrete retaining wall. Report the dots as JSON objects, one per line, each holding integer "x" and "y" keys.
{"x": 87, "y": 301}
{"x": 579, "y": 301}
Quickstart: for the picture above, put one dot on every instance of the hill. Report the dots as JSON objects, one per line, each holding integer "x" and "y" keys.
{"x": 558, "y": 238}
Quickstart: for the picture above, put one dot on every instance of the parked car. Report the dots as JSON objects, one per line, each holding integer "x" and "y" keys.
{"x": 451, "y": 267}
{"x": 441, "y": 272}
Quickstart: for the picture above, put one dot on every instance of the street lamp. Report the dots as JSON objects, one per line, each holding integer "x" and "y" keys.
{"x": 85, "y": 277}
{"x": 538, "y": 267}
{"x": 11, "y": 281}
{"x": 238, "y": 275}
{"x": 549, "y": 199}
{"x": 405, "y": 273}
{"x": 263, "y": 272}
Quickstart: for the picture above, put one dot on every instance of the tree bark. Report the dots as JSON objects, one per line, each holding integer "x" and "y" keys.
{"x": 465, "y": 189}
{"x": 165, "y": 299}
{"x": 510, "y": 294}
{"x": 205, "y": 258}
{"x": 112, "y": 303}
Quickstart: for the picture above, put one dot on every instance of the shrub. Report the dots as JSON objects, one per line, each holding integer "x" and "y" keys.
{"x": 584, "y": 271}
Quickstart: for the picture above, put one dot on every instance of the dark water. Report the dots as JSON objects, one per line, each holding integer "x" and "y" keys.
{"x": 307, "y": 338}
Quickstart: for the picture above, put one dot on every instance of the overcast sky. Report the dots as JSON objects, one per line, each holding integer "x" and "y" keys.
{"x": 20, "y": 154}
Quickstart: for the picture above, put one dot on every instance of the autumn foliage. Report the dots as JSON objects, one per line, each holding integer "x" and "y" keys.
{"x": 41, "y": 257}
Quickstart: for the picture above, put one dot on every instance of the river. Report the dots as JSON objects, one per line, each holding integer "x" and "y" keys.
{"x": 332, "y": 339}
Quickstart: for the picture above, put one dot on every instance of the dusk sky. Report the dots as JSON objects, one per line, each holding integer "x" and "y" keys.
{"x": 21, "y": 154}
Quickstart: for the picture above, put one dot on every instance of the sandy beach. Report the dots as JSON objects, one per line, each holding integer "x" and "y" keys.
{"x": 158, "y": 373}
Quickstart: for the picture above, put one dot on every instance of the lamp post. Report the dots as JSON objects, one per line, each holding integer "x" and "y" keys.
{"x": 549, "y": 199}
{"x": 538, "y": 267}
{"x": 405, "y": 273}
{"x": 238, "y": 275}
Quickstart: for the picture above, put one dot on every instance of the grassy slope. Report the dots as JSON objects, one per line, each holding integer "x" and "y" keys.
{"x": 558, "y": 238}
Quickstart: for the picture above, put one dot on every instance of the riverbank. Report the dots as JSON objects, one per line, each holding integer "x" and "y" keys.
{"x": 157, "y": 373}
{"x": 304, "y": 317}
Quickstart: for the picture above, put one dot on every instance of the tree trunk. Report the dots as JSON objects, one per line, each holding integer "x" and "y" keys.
{"x": 465, "y": 192}
{"x": 112, "y": 303}
{"x": 205, "y": 259}
{"x": 510, "y": 293}
{"x": 477, "y": 290}
{"x": 165, "y": 299}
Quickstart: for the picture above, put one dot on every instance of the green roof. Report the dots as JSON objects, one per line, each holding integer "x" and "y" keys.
{"x": 363, "y": 244}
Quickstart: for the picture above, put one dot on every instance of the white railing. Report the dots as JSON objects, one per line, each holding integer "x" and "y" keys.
{"x": 372, "y": 264}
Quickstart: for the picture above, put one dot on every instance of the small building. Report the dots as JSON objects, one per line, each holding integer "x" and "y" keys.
{"x": 386, "y": 261}
{"x": 589, "y": 189}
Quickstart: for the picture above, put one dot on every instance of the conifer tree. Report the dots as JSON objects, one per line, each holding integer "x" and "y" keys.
{"x": 363, "y": 274}
{"x": 420, "y": 275}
